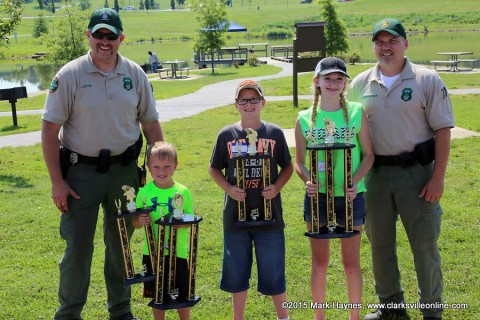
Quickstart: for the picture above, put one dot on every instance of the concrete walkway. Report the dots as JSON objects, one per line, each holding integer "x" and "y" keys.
{"x": 208, "y": 97}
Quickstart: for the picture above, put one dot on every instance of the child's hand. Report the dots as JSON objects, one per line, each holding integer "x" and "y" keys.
{"x": 144, "y": 219}
{"x": 351, "y": 192}
{"x": 236, "y": 193}
{"x": 312, "y": 188}
{"x": 270, "y": 192}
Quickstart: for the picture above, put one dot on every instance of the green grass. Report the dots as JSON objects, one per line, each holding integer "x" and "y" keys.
{"x": 31, "y": 246}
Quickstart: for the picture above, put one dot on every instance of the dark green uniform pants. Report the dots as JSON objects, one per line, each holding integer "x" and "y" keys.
{"x": 77, "y": 228}
{"x": 393, "y": 192}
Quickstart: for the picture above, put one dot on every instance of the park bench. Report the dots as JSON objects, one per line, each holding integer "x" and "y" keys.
{"x": 167, "y": 70}
{"x": 187, "y": 69}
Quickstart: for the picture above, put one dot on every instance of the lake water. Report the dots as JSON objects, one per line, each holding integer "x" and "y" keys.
{"x": 422, "y": 49}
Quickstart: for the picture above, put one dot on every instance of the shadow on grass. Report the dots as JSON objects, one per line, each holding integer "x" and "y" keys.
{"x": 11, "y": 128}
{"x": 14, "y": 182}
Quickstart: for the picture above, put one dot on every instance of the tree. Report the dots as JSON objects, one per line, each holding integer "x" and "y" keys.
{"x": 39, "y": 27}
{"x": 53, "y": 7}
{"x": 84, "y": 4}
{"x": 213, "y": 18}
{"x": 172, "y": 4}
{"x": 11, "y": 15}
{"x": 105, "y": 4}
{"x": 335, "y": 32}
{"x": 69, "y": 42}
{"x": 147, "y": 5}
{"x": 116, "y": 6}
{"x": 40, "y": 4}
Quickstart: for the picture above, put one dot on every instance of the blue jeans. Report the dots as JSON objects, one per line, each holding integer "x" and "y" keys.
{"x": 237, "y": 261}
{"x": 154, "y": 66}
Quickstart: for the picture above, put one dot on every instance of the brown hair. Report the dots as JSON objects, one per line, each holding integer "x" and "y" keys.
{"x": 162, "y": 150}
{"x": 316, "y": 101}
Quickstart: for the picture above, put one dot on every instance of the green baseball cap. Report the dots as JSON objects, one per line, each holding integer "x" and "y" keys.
{"x": 105, "y": 18}
{"x": 392, "y": 26}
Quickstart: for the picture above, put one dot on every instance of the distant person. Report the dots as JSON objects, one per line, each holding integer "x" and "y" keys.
{"x": 162, "y": 163}
{"x": 154, "y": 61}
{"x": 410, "y": 116}
{"x": 330, "y": 83}
{"x": 268, "y": 240}
{"x": 93, "y": 114}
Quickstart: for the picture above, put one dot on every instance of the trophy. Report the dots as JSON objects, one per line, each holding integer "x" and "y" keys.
{"x": 166, "y": 292}
{"x": 130, "y": 276}
{"x": 331, "y": 230}
{"x": 252, "y": 156}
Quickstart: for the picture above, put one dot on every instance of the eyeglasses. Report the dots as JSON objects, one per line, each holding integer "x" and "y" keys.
{"x": 243, "y": 102}
{"x": 109, "y": 36}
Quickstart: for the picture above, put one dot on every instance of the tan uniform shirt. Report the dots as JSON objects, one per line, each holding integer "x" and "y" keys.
{"x": 97, "y": 110}
{"x": 408, "y": 113}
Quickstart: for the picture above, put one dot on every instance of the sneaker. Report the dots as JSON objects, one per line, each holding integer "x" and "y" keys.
{"x": 126, "y": 316}
{"x": 388, "y": 314}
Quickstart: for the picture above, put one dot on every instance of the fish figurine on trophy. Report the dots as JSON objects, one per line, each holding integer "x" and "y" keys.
{"x": 129, "y": 193}
{"x": 252, "y": 141}
{"x": 177, "y": 206}
{"x": 130, "y": 275}
{"x": 329, "y": 131}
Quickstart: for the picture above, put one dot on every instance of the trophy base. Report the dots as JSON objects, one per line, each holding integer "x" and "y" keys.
{"x": 138, "y": 211}
{"x": 174, "y": 305}
{"x": 139, "y": 278}
{"x": 254, "y": 223}
{"x": 338, "y": 232}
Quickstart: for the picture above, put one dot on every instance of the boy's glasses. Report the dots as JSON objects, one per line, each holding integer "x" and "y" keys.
{"x": 243, "y": 102}
{"x": 109, "y": 36}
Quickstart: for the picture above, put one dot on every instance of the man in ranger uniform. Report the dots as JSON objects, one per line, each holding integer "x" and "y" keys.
{"x": 410, "y": 115}
{"x": 91, "y": 124}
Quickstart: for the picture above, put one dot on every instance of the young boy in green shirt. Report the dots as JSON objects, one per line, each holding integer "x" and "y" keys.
{"x": 162, "y": 162}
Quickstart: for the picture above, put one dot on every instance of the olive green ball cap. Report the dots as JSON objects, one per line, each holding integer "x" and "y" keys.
{"x": 392, "y": 26}
{"x": 105, "y": 18}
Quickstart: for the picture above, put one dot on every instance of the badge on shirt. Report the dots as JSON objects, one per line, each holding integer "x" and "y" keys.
{"x": 127, "y": 83}
{"x": 53, "y": 85}
{"x": 407, "y": 94}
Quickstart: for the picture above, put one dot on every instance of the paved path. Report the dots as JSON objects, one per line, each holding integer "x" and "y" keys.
{"x": 208, "y": 97}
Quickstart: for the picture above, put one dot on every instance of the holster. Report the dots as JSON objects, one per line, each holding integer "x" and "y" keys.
{"x": 425, "y": 152}
{"x": 64, "y": 161}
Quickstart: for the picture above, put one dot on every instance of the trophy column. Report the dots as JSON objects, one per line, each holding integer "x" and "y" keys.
{"x": 331, "y": 230}
{"x": 166, "y": 293}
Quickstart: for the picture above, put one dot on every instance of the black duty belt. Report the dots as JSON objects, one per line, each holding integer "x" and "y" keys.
{"x": 403, "y": 160}
{"x": 76, "y": 158}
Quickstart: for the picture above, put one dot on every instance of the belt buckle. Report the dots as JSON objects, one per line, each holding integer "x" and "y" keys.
{"x": 73, "y": 158}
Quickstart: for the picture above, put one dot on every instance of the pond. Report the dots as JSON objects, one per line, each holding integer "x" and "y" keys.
{"x": 422, "y": 49}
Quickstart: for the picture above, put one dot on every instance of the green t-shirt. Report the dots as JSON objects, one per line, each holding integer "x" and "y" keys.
{"x": 149, "y": 191}
{"x": 340, "y": 134}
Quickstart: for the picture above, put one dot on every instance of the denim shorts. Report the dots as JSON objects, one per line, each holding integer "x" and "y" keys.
{"x": 339, "y": 204}
{"x": 237, "y": 261}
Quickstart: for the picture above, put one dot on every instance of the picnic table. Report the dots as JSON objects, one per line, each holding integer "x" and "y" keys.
{"x": 453, "y": 63}
{"x": 174, "y": 67}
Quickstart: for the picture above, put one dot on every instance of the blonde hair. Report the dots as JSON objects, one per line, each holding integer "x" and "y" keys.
{"x": 316, "y": 101}
{"x": 162, "y": 150}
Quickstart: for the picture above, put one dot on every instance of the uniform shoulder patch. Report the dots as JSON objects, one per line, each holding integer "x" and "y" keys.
{"x": 54, "y": 85}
